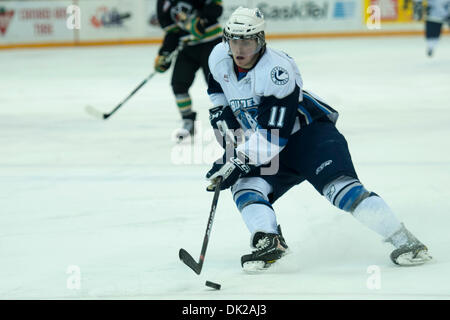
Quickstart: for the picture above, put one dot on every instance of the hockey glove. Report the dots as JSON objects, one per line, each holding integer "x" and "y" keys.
{"x": 230, "y": 170}
{"x": 192, "y": 24}
{"x": 196, "y": 27}
{"x": 162, "y": 63}
{"x": 224, "y": 124}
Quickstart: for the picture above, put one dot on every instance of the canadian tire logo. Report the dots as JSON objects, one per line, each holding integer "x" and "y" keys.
{"x": 5, "y": 19}
{"x": 105, "y": 17}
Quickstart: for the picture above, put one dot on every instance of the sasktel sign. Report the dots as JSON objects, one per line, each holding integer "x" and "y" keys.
{"x": 296, "y": 10}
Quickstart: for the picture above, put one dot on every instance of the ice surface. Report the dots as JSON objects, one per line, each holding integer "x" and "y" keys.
{"x": 112, "y": 198}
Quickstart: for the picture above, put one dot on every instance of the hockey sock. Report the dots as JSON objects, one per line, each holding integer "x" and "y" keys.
{"x": 349, "y": 194}
{"x": 184, "y": 103}
{"x": 259, "y": 218}
{"x": 374, "y": 213}
{"x": 431, "y": 43}
{"x": 250, "y": 196}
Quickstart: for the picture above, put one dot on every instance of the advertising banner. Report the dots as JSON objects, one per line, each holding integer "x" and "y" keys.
{"x": 303, "y": 16}
{"x": 111, "y": 19}
{"x": 78, "y": 22}
{"x": 34, "y": 21}
{"x": 391, "y": 11}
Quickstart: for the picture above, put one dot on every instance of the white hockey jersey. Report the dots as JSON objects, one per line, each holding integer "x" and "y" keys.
{"x": 268, "y": 102}
{"x": 439, "y": 10}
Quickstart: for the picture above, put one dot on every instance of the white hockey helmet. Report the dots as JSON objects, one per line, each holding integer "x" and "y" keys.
{"x": 245, "y": 23}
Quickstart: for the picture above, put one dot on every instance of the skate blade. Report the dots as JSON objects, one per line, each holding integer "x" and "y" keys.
{"x": 182, "y": 136}
{"x": 254, "y": 266}
{"x": 257, "y": 266}
{"x": 411, "y": 259}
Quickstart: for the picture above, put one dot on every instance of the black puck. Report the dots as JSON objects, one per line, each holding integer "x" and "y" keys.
{"x": 212, "y": 285}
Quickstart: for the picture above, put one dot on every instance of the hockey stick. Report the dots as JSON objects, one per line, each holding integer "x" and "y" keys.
{"x": 94, "y": 112}
{"x": 98, "y": 114}
{"x": 184, "y": 255}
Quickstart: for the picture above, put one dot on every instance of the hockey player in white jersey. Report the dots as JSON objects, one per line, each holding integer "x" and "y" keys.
{"x": 287, "y": 136}
{"x": 437, "y": 13}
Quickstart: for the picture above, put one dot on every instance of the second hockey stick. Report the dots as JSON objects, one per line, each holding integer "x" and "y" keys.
{"x": 94, "y": 112}
{"x": 98, "y": 114}
{"x": 184, "y": 255}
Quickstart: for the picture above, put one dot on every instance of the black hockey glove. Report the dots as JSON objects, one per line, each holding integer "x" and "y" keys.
{"x": 224, "y": 124}
{"x": 162, "y": 62}
{"x": 230, "y": 170}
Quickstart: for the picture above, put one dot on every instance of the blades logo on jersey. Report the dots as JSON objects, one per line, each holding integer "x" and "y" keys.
{"x": 279, "y": 75}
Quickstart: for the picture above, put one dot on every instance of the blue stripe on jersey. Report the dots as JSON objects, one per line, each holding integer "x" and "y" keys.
{"x": 305, "y": 113}
{"x": 317, "y": 104}
{"x": 250, "y": 198}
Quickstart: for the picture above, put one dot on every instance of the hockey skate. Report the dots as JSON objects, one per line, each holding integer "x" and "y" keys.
{"x": 412, "y": 253}
{"x": 187, "y": 129}
{"x": 269, "y": 248}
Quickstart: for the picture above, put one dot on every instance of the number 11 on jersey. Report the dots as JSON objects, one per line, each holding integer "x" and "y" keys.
{"x": 273, "y": 117}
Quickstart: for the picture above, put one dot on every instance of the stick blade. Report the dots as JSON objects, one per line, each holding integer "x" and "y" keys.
{"x": 94, "y": 112}
{"x": 189, "y": 261}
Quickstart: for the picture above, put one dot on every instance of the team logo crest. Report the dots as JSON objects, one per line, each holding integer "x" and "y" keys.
{"x": 279, "y": 75}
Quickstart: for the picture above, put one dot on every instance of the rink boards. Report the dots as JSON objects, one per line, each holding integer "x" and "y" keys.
{"x": 105, "y": 22}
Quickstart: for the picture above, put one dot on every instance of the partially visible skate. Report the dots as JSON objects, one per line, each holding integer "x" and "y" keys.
{"x": 409, "y": 250}
{"x": 270, "y": 247}
{"x": 411, "y": 255}
{"x": 187, "y": 129}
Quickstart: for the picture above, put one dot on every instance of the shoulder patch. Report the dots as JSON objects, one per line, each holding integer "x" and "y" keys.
{"x": 279, "y": 75}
